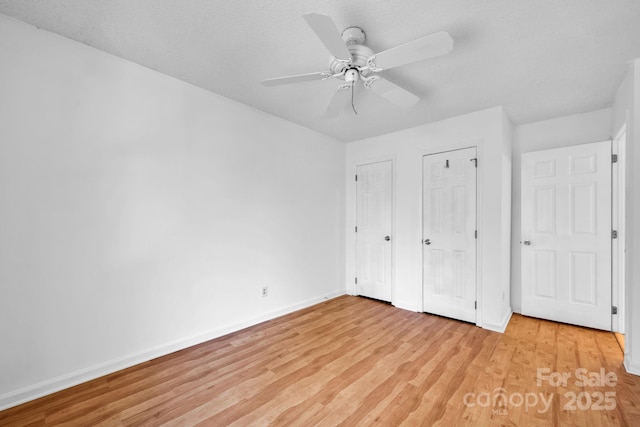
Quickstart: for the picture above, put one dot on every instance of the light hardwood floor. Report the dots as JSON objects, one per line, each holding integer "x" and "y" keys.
{"x": 620, "y": 339}
{"x": 354, "y": 361}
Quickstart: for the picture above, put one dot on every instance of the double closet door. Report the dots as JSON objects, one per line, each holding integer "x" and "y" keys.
{"x": 448, "y": 227}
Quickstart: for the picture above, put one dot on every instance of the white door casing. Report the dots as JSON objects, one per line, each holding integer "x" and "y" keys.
{"x": 449, "y": 234}
{"x": 374, "y": 204}
{"x": 566, "y": 234}
{"x": 618, "y": 189}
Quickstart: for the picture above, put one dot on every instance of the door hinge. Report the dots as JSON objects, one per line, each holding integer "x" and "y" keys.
{"x": 356, "y": 177}
{"x": 356, "y": 280}
{"x": 614, "y": 309}
{"x": 356, "y": 228}
{"x": 475, "y": 162}
{"x": 476, "y": 234}
{"x": 475, "y": 305}
{"x": 614, "y": 234}
{"x": 614, "y": 158}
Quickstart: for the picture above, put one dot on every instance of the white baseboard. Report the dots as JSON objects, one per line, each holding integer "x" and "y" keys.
{"x": 631, "y": 367}
{"x": 35, "y": 391}
{"x": 500, "y": 327}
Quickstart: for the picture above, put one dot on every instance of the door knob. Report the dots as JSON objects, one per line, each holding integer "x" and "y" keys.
{"x": 527, "y": 243}
{"x": 427, "y": 241}
{"x": 387, "y": 238}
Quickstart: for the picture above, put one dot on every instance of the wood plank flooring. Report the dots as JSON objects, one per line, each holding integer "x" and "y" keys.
{"x": 354, "y": 361}
{"x": 620, "y": 339}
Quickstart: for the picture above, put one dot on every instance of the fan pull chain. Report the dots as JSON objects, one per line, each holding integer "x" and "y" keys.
{"x": 353, "y": 106}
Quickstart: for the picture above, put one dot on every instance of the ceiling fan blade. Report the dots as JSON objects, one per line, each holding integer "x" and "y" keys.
{"x": 423, "y": 48}
{"x": 394, "y": 93}
{"x": 326, "y": 30}
{"x": 295, "y": 79}
{"x": 341, "y": 99}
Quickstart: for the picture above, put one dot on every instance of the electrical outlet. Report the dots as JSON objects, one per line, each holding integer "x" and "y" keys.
{"x": 265, "y": 291}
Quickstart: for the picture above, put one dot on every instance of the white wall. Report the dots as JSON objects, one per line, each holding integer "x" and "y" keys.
{"x": 633, "y": 230}
{"x": 487, "y": 129}
{"x": 140, "y": 214}
{"x": 626, "y": 106}
{"x": 560, "y": 132}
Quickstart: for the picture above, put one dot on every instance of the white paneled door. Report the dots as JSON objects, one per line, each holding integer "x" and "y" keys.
{"x": 373, "y": 230}
{"x": 449, "y": 234}
{"x": 566, "y": 234}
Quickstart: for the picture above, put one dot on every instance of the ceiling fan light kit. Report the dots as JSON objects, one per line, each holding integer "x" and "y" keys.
{"x": 352, "y": 61}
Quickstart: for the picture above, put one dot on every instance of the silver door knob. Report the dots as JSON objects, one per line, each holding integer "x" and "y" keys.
{"x": 427, "y": 241}
{"x": 387, "y": 238}
{"x": 527, "y": 243}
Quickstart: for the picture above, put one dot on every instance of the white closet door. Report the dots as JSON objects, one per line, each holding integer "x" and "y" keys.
{"x": 566, "y": 234}
{"x": 449, "y": 234}
{"x": 374, "y": 225}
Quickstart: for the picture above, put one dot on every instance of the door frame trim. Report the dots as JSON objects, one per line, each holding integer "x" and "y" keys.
{"x": 477, "y": 144}
{"x": 353, "y": 220}
{"x": 618, "y": 222}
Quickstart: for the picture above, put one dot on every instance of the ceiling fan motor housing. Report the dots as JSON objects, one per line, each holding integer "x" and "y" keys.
{"x": 359, "y": 56}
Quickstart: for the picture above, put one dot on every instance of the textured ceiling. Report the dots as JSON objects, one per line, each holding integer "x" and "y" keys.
{"x": 539, "y": 59}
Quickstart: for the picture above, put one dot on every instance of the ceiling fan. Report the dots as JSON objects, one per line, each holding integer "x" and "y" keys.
{"x": 354, "y": 62}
